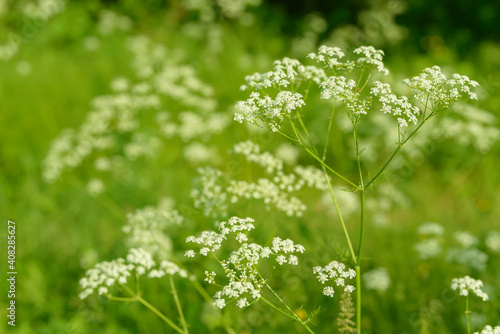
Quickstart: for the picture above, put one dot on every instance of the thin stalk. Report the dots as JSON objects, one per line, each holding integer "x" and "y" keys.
{"x": 278, "y": 309}
{"x": 137, "y": 284}
{"x": 397, "y": 150}
{"x": 208, "y": 299}
{"x": 366, "y": 82}
{"x": 344, "y": 228}
{"x": 323, "y": 164}
{"x": 122, "y": 299}
{"x": 306, "y": 132}
{"x": 161, "y": 315}
{"x": 328, "y": 133}
{"x": 467, "y": 312}
{"x": 106, "y": 201}
{"x": 178, "y": 304}
{"x": 361, "y": 193}
{"x": 136, "y": 297}
{"x": 358, "y": 299}
{"x": 294, "y": 317}
{"x": 292, "y": 314}
{"x": 361, "y": 231}
{"x": 315, "y": 156}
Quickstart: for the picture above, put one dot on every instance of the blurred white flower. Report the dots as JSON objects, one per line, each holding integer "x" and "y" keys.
{"x": 377, "y": 279}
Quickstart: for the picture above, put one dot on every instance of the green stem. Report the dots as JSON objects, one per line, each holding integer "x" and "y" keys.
{"x": 306, "y": 132}
{"x": 106, "y": 201}
{"x": 467, "y": 312}
{"x": 208, "y": 299}
{"x": 358, "y": 299}
{"x": 288, "y": 315}
{"x": 398, "y": 149}
{"x": 178, "y": 304}
{"x": 361, "y": 231}
{"x": 323, "y": 164}
{"x": 344, "y": 228}
{"x": 314, "y": 151}
{"x": 278, "y": 309}
{"x": 161, "y": 315}
{"x": 328, "y": 133}
{"x": 136, "y": 297}
{"x": 122, "y": 299}
{"x": 361, "y": 193}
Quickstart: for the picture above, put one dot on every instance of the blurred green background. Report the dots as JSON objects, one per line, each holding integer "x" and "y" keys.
{"x": 52, "y": 66}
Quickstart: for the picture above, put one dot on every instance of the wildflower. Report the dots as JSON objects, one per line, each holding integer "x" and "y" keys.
{"x": 109, "y": 274}
{"x": 490, "y": 330}
{"x": 466, "y": 239}
{"x": 147, "y": 228}
{"x": 95, "y": 187}
{"x": 468, "y": 284}
{"x": 377, "y": 279}
{"x": 240, "y": 268}
{"x": 373, "y": 57}
{"x": 336, "y": 271}
{"x": 431, "y": 229}
{"x": 429, "y": 248}
{"x": 442, "y": 92}
{"x": 493, "y": 241}
{"x": 392, "y": 104}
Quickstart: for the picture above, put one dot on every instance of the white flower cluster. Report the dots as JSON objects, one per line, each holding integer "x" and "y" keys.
{"x": 442, "y": 92}
{"x": 109, "y": 22}
{"x": 469, "y": 126}
{"x": 372, "y": 57}
{"x": 268, "y": 191}
{"x": 245, "y": 282}
{"x": 190, "y": 125}
{"x": 271, "y": 112}
{"x": 493, "y": 241}
{"x": 431, "y": 229}
{"x": 252, "y": 153}
{"x": 106, "y": 275}
{"x": 377, "y": 279}
{"x": 199, "y": 153}
{"x": 338, "y": 273}
{"x": 95, "y": 187}
{"x": 147, "y": 228}
{"x": 344, "y": 90}
{"x": 431, "y": 245}
{"x": 392, "y": 104}
{"x": 212, "y": 193}
{"x": 287, "y": 72}
{"x": 208, "y": 10}
{"x": 466, "y": 239}
{"x": 428, "y": 248}
{"x": 32, "y": 14}
{"x": 329, "y": 58}
{"x": 467, "y": 253}
{"x": 122, "y": 123}
{"x": 467, "y": 284}
{"x": 289, "y": 75}
{"x": 490, "y": 330}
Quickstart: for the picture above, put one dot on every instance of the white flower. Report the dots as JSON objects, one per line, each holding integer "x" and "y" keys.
{"x": 431, "y": 229}
{"x": 467, "y": 284}
{"x": 241, "y": 303}
{"x": 220, "y": 303}
{"x": 490, "y": 330}
{"x": 328, "y": 291}
{"x": 338, "y": 273}
{"x": 190, "y": 253}
{"x": 281, "y": 259}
